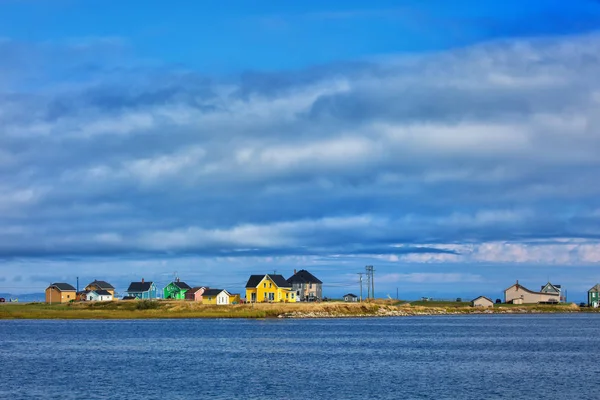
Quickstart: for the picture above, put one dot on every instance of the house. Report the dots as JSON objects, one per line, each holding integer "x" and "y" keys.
{"x": 269, "y": 288}
{"x": 554, "y": 289}
{"x": 216, "y": 296}
{"x": 176, "y": 290}
{"x": 482, "y": 301}
{"x": 60, "y": 292}
{"x": 593, "y": 296}
{"x": 234, "y": 298}
{"x": 306, "y": 285}
{"x": 99, "y": 295}
{"x": 142, "y": 290}
{"x": 350, "y": 298}
{"x": 195, "y": 293}
{"x": 519, "y": 294}
{"x": 100, "y": 285}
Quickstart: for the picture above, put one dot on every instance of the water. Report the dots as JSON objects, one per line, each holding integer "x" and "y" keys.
{"x": 441, "y": 357}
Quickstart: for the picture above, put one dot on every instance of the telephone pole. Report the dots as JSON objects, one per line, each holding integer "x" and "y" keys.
{"x": 368, "y": 273}
{"x": 370, "y": 280}
{"x": 360, "y": 274}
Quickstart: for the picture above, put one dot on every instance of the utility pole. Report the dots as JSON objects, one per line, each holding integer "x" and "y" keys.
{"x": 77, "y": 284}
{"x": 360, "y": 274}
{"x": 368, "y": 273}
{"x": 370, "y": 281}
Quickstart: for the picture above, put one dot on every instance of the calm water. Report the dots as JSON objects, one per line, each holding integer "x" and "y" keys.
{"x": 453, "y": 357}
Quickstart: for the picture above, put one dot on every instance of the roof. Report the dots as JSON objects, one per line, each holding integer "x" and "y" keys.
{"x": 195, "y": 289}
{"x": 521, "y": 287}
{"x": 181, "y": 285}
{"x": 350, "y": 294}
{"x": 139, "y": 287}
{"x": 279, "y": 280}
{"x": 102, "y": 284}
{"x": 550, "y": 286}
{"x": 213, "y": 292}
{"x": 595, "y": 288}
{"x": 303, "y": 276}
{"x": 102, "y": 292}
{"x": 483, "y": 297}
{"x": 63, "y": 287}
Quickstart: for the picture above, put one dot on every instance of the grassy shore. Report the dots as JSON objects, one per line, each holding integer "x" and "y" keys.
{"x": 183, "y": 309}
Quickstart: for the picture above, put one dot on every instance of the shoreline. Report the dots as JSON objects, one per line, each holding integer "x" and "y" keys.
{"x": 182, "y": 309}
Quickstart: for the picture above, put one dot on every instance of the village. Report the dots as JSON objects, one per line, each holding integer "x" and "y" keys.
{"x": 302, "y": 286}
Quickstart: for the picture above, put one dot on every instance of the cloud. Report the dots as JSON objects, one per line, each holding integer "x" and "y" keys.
{"x": 486, "y": 154}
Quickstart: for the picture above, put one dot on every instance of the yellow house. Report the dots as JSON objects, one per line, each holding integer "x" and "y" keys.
{"x": 269, "y": 288}
{"x": 101, "y": 285}
{"x": 60, "y": 293}
{"x": 216, "y": 296}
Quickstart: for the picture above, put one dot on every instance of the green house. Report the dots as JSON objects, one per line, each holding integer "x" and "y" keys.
{"x": 176, "y": 290}
{"x": 593, "y": 296}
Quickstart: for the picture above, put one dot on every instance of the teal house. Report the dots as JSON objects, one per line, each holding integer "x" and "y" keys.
{"x": 176, "y": 290}
{"x": 593, "y": 298}
{"x": 142, "y": 290}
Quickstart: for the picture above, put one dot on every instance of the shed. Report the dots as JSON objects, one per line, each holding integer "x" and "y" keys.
{"x": 350, "y": 298}
{"x": 482, "y": 301}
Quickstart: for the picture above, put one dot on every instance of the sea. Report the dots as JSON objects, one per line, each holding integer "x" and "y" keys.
{"x": 421, "y": 357}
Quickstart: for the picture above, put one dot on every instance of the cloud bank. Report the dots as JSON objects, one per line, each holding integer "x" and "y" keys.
{"x": 486, "y": 154}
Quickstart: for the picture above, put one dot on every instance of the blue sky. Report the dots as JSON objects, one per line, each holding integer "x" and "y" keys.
{"x": 452, "y": 145}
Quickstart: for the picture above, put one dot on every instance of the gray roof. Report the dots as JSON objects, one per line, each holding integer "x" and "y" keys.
{"x": 303, "y": 276}
{"x": 101, "y": 284}
{"x": 482, "y": 297}
{"x": 181, "y": 285}
{"x": 137, "y": 287}
{"x": 279, "y": 280}
{"x": 102, "y": 292}
{"x": 63, "y": 287}
{"x": 595, "y": 288}
{"x": 194, "y": 289}
{"x": 212, "y": 292}
{"x": 350, "y": 294}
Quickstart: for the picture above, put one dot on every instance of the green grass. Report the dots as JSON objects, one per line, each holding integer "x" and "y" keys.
{"x": 145, "y": 309}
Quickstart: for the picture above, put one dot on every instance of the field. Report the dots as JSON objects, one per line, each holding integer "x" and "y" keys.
{"x": 183, "y": 309}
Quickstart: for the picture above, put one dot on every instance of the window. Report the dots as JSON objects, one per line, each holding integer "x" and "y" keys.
{"x": 271, "y": 296}
{"x": 292, "y": 295}
{"x": 265, "y": 284}
{"x": 310, "y": 286}
{"x": 286, "y": 295}
{"x": 270, "y": 285}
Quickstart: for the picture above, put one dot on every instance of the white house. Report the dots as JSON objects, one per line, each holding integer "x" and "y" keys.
{"x": 99, "y": 295}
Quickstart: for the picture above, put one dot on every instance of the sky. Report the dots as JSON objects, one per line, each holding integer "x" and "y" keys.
{"x": 454, "y": 146}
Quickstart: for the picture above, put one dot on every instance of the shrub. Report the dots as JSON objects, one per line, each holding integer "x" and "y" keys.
{"x": 147, "y": 305}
